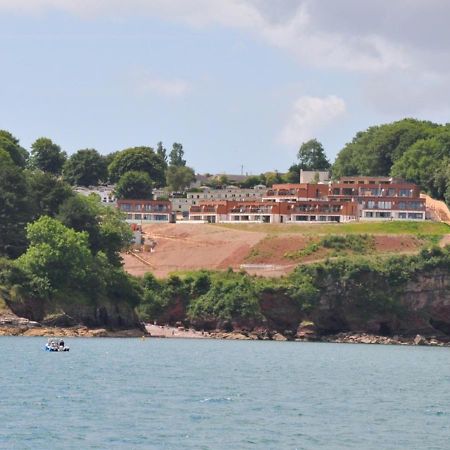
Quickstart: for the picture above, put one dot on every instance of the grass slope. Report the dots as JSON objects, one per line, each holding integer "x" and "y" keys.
{"x": 381, "y": 228}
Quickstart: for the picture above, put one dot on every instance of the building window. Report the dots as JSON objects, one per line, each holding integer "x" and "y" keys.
{"x": 384, "y": 205}
{"x": 415, "y": 216}
{"x": 137, "y": 216}
{"x": 415, "y": 205}
{"x": 404, "y": 193}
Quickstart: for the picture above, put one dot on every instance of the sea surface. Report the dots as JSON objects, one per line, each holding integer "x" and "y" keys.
{"x": 211, "y": 394}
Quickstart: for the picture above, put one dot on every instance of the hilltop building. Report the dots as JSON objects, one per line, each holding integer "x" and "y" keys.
{"x": 348, "y": 199}
{"x": 146, "y": 211}
{"x": 182, "y": 202}
{"x": 106, "y": 193}
{"x": 314, "y": 176}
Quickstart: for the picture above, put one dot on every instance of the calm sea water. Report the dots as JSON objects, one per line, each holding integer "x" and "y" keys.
{"x": 207, "y": 394}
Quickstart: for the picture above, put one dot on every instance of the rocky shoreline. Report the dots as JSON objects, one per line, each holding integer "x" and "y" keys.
{"x": 340, "y": 338}
{"x": 11, "y": 325}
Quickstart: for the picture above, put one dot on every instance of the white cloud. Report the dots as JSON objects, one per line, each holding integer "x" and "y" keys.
{"x": 290, "y": 26}
{"x": 309, "y": 116}
{"x": 386, "y": 39}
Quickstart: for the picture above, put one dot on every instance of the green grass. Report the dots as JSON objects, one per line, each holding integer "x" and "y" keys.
{"x": 381, "y": 228}
{"x": 340, "y": 244}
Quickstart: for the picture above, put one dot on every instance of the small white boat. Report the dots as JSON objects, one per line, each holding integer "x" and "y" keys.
{"x": 56, "y": 345}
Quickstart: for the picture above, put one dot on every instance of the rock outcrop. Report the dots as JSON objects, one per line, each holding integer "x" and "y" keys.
{"x": 67, "y": 313}
{"x": 418, "y": 311}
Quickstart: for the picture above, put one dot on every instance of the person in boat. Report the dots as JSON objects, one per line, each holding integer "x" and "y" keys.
{"x": 61, "y": 343}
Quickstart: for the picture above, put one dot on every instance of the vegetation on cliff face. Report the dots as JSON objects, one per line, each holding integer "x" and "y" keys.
{"x": 348, "y": 293}
{"x": 59, "y": 252}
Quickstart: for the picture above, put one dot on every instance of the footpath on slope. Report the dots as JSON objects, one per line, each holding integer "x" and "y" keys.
{"x": 437, "y": 208}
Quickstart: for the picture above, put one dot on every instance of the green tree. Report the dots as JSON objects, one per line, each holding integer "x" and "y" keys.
{"x": 46, "y": 193}
{"x": 442, "y": 180}
{"x": 81, "y": 214}
{"x": 425, "y": 162}
{"x": 85, "y": 168}
{"x": 47, "y": 156}
{"x": 57, "y": 258}
{"x": 311, "y": 156}
{"x": 108, "y": 159}
{"x": 251, "y": 182}
{"x": 271, "y": 178}
{"x": 179, "y": 177}
{"x": 176, "y": 155}
{"x": 373, "y": 152}
{"x": 15, "y": 208}
{"x": 107, "y": 231}
{"x": 138, "y": 159}
{"x": 161, "y": 152}
{"x": 10, "y": 145}
{"x": 115, "y": 233}
{"x": 293, "y": 174}
{"x": 134, "y": 185}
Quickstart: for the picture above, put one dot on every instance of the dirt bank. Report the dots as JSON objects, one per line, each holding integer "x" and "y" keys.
{"x": 185, "y": 247}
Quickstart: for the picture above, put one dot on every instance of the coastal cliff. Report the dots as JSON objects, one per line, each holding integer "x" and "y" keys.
{"x": 397, "y": 299}
{"x": 396, "y": 296}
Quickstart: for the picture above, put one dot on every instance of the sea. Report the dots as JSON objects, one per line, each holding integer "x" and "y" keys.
{"x": 111, "y": 393}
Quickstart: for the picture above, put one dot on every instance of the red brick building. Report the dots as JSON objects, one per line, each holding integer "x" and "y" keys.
{"x": 351, "y": 198}
{"x": 146, "y": 211}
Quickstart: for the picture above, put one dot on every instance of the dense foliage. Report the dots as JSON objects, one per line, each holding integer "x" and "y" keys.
{"x": 56, "y": 246}
{"x": 47, "y": 156}
{"x": 10, "y": 145}
{"x": 208, "y": 298}
{"x": 417, "y": 151}
{"x": 85, "y": 168}
{"x": 179, "y": 178}
{"x": 311, "y": 156}
{"x": 140, "y": 159}
{"x": 134, "y": 185}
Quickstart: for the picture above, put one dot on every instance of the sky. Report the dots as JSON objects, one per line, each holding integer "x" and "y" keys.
{"x": 240, "y": 83}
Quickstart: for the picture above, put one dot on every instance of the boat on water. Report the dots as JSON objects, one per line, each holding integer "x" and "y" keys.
{"x": 56, "y": 345}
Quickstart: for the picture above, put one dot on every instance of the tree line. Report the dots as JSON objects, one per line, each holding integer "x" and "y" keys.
{"x": 135, "y": 170}
{"x": 55, "y": 245}
{"x": 414, "y": 150}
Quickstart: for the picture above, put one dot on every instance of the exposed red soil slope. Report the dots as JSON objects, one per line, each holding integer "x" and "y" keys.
{"x": 184, "y": 247}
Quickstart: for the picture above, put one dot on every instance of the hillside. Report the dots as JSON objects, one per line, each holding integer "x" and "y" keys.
{"x": 274, "y": 250}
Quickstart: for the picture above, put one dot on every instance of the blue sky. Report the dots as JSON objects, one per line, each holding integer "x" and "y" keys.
{"x": 237, "y": 82}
